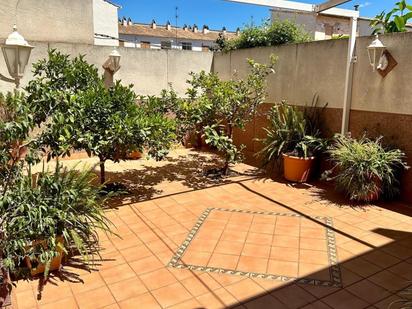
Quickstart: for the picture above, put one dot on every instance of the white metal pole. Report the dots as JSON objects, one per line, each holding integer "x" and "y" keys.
{"x": 348, "y": 78}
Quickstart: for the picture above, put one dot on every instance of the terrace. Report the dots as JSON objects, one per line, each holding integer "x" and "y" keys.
{"x": 244, "y": 242}
{"x": 209, "y": 224}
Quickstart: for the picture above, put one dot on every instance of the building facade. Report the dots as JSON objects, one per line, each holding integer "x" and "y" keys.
{"x": 322, "y": 26}
{"x": 68, "y": 21}
{"x": 154, "y": 36}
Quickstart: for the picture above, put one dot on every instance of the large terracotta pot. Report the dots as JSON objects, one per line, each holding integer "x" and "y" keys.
{"x": 297, "y": 169}
{"x": 55, "y": 263}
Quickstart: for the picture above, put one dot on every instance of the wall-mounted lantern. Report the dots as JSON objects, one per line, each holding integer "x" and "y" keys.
{"x": 113, "y": 63}
{"x": 111, "y": 66}
{"x": 375, "y": 52}
{"x": 380, "y": 58}
{"x": 16, "y": 52}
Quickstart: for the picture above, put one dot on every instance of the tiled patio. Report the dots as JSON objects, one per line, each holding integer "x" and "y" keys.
{"x": 247, "y": 242}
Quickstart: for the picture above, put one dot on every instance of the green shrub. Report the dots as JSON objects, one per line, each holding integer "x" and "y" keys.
{"x": 395, "y": 20}
{"x": 364, "y": 168}
{"x": 288, "y": 133}
{"x": 48, "y": 205}
{"x": 269, "y": 34}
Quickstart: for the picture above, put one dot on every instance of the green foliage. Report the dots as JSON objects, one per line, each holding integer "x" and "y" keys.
{"x": 364, "y": 168}
{"x": 223, "y": 105}
{"x": 393, "y": 21}
{"x": 290, "y": 131}
{"x": 42, "y": 207}
{"x": 16, "y": 122}
{"x": 269, "y": 34}
{"x": 82, "y": 114}
{"x": 55, "y": 80}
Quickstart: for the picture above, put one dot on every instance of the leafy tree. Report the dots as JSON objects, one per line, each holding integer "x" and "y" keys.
{"x": 393, "y": 21}
{"x": 84, "y": 115}
{"x": 226, "y": 105}
{"x": 269, "y": 34}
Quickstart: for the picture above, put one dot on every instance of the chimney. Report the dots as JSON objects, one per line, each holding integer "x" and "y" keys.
{"x": 205, "y": 29}
{"x": 168, "y": 26}
{"x": 195, "y": 28}
{"x": 129, "y": 21}
{"x": 185, "y": 27}
{"x": 224, "y": 30}
{"x": 124, "y": 21}
{"x": 238, "y": 31}
{"x": 153, "y": 25}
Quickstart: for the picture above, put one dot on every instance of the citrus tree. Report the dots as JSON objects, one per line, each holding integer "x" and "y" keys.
{"x": 229, "y": 104}
{"x": 82, "y": 114}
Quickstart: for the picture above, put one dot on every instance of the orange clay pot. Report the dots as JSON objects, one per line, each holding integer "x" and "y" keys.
{"x": 135, "y": 155}
{"x": 297, "y": 169}
{"x": 55, "y": 263}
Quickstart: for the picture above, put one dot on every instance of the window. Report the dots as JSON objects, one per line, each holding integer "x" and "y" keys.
{"x": 166, "y": 45}
{"x": 144, "y": 44}
{"x": 186, "y": 46}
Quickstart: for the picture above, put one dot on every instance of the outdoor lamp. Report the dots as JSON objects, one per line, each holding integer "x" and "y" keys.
{"x": 16, "y": 52}
{"x": 377, "y": 59}
{"x": 113, "y": 63}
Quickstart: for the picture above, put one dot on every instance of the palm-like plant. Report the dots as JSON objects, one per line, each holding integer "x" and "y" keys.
{"x": 364, "y": 168}
{"x": 40, "y": 208}
{"x": 288, "y": 133}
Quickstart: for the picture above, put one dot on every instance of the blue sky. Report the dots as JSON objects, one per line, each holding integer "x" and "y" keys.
{"x": 219, "y": 13}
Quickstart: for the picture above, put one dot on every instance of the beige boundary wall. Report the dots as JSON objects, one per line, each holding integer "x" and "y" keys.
{"x": 380, "y": 106}
{"x": 149, "y": 71}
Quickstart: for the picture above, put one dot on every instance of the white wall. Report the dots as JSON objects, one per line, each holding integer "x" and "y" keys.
{"x": 134, "y": 41}
{"x": 148, "y": 70}
{"x": 105, "y": 20}
{"x": 49, "y": 20}
{"x": 315, "y": 24}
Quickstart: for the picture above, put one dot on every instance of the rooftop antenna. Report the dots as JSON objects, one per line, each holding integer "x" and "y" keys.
{"x": 177, "y": 24}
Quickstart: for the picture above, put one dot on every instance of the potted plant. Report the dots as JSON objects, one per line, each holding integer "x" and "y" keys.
{"x": 50, "y": 214}
{"x": 363, "y": 169}
{"x": 287, "y": 138}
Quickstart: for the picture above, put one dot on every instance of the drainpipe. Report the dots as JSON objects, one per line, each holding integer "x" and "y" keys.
{"x": 351, "y": 59}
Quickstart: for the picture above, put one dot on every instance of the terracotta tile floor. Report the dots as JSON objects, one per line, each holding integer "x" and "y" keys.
{"x": 246, "y": 242}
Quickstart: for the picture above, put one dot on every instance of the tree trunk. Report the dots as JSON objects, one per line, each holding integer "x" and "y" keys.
{"x": 102, "y": 171}
{"x": 230, "y": 135}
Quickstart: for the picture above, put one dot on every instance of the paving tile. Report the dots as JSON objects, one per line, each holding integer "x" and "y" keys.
{"x": 256, "y": 251}
{"x": 146, "y": 265}
{"x": 26, "y": 299}
{"x": 252, "y": 264}
{"x": 229, "y": 247}
{"x": 223, "y": 261}
{"x": 293, "y": 296}
{"x": 158, "y": 278}
{"x": 66, "y": 303}
{"x": 146, "y": 301}
{"x": 218, "y": 299}
{"x": 200, "y": 284}
{"x": 285, "y": 241}
{"x": 344, "y": 300}
{"x": 89, "y": 282}
{"x": 368, "y": 291}
{"x": 97, "y": 298}
{"x": 127, "y": 289}
{"x": 135, "y": 253}
{"x": 245, "y": 289}
{"x": 117, "y": 273}
{"x": 171, "y": 295}
{"x": 284, "y": 254}
{"x": 313, "y": 257}
{"x": 289, "y": 269}
{"x": 196, "y": 258}
{"x": 389, "y": 281}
